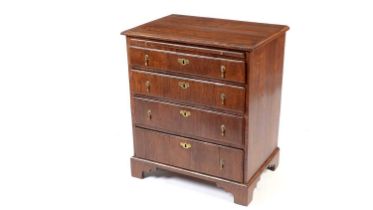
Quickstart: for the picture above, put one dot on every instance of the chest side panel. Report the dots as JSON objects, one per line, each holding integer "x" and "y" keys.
{"x": 263, "y": 103}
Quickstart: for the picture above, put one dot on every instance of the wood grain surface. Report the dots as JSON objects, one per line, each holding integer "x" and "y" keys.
{"x": 228, "y": 34}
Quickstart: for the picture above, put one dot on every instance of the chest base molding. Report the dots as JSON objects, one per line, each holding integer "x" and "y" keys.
{"x": 242, "y": 193}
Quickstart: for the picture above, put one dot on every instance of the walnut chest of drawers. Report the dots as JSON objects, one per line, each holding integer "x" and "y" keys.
{"x": 205, "y": 99}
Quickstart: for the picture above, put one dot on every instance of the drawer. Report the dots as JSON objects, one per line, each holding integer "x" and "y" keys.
{"x": 197, "y": 123}
{"x": 188, "y": 63}
{"x": 204, "y": 93}
{"x": 212, "y": 159}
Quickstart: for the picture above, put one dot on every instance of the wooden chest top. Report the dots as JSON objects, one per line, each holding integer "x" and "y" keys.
{"x": 228, "y": 34}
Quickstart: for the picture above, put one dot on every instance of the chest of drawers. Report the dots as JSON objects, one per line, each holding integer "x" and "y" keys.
{"x": 205, "y": 99}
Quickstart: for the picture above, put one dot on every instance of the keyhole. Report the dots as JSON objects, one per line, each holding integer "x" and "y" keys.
{"x": 183, "y": 61}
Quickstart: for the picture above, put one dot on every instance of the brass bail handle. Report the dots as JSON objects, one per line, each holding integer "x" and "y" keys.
{"x": 147, "y": 85}
{"x": 149, "y": 114}
{"x": 146, "y": 60}
{"x": 222, "y": 71}
{"x": 222, "y": 98}
{"x": 222, "y": 130}
{"x": 221, "y": 164}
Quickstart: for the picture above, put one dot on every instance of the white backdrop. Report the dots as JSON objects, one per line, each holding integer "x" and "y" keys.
{"x": 65, "y": 134}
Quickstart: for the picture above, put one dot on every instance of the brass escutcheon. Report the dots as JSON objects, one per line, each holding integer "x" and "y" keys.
{"x": 185, "y": 113}
{"x": 183, "y": 85}
{"x": 185, "y": 145}
{"x": 183, "y": 61}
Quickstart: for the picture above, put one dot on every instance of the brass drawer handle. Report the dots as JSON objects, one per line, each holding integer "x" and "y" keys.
{"x": 146, "y": 60}
{"x": 183, "y": 61}
{"x": 221, "y": 163}
{"x": 222, "y": 71}
{"x": 222, "y": 130}
{"x": 222, "y": 98}
{"x": 185, "y": 145}
{"x": 149, "y": 114}
{"x": 184, "y": 85}
{"x": 147, "y": 85}
{"x": 185, "y": 113}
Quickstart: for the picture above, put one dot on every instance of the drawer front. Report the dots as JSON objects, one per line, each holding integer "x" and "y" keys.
{"x": 189, "y": 154}
{"x": 183, "y": 120}
{"x": 198, "y": 65}
{"x": 189, "y": 91}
